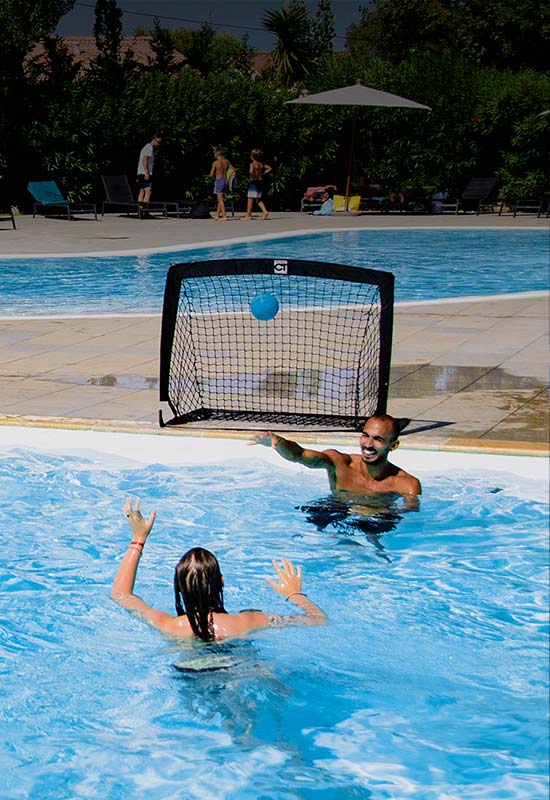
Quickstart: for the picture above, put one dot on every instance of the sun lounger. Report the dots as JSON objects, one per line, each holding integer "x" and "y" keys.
{"x": 119, "y": 194}
{"x": 7, "y": 216}
{"x": 47, "y": 196}
{"x": 314, "y": 197}
{"x": 477, "y": 196}
{"x": 533, "y": 206}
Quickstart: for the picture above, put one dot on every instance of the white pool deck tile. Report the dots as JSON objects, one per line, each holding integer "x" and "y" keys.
{"x": 472, "y": 374}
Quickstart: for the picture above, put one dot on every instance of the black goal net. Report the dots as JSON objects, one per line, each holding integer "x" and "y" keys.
{"x": 252, "y": 342}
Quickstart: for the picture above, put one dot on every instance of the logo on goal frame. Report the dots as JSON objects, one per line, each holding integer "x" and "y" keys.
{"x": 280, "y": 267}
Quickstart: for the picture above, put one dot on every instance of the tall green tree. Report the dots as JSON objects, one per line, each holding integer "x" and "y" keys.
{"x": 292, "y": 57}
{"x": 228, "y": 54}
{"x": 395, "y": 30}
{"x": 322, "y": 29}
{"x": 501, "y": 33}
{"x": 107, "y": 66}
{"x": 22, "y": 24}
{"x": 210, "y": 52}
{"x": 199, "y": 51}
{"x": 163, "y": 46}
{"x": 508, "y": 34}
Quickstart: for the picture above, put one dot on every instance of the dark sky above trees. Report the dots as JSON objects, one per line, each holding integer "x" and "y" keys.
{"x": 226, "y": 15}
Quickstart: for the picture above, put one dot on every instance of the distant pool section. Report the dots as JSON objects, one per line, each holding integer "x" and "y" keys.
{"x": 428, "y": 265}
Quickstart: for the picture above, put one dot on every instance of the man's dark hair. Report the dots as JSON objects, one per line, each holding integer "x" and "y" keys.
{"x": 198, "y": 583}
{"x": 398, "y": 423}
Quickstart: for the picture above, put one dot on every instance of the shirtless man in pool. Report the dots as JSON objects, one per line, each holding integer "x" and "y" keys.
{"x": 367, "y": 473}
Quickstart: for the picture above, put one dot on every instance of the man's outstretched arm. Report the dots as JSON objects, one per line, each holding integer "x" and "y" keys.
{"x": 292, "y": 451}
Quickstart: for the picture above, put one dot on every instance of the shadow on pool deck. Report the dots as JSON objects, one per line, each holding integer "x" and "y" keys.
{"x": 471, "y": 374}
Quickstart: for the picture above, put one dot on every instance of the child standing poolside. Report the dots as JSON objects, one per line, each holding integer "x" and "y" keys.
{"x": 219, "y": 173}
{"x": 256, "y": 173}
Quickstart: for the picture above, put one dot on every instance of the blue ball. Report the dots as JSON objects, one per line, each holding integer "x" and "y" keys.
{"x": 264, "y": 306}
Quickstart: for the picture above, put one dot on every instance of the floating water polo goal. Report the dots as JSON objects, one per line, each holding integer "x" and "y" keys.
{"x": 257, "y": 342}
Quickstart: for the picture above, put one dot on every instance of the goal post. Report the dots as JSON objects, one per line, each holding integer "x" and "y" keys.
{"x": 256, "y": 342}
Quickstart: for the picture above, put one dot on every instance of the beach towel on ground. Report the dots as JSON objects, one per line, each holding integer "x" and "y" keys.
{"x": 232, "y": 179}
{"x": 326, "y": 209}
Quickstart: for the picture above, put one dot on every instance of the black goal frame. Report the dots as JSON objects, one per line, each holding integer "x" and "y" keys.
{"x": 177, "y": 273}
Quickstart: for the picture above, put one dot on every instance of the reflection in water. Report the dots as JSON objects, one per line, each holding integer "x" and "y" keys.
{"x": 348, "y": 516}
{"x": 231, "y": 683}
{"x": 125, "y": 381}
{"x": 413, "y": 380}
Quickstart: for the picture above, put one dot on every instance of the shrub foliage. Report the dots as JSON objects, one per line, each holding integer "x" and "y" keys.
{"x": 73, "y": 124}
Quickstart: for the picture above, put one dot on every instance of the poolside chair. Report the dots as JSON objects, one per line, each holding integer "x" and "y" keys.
{"x": 532, "y": 206}
{"x": 48, "y": 196}
{"x": 7, "y": 216}
{"x": 119, "y": 193}
{"x": 418, "y": 199}
{"x": 314, "y": 197}
{"x": 478, "y": 196}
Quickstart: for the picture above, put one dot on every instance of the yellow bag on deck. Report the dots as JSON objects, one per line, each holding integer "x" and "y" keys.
{"x": 340, "y": 203}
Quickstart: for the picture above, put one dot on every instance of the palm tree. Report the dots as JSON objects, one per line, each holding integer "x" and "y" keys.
{"x": 292, "y": 56}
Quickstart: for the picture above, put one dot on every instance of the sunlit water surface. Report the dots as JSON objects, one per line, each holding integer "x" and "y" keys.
{"x": 427, "y": 265}
{"x": 429, "y": 682}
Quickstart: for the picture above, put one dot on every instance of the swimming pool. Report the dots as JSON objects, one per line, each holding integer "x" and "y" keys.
{"x": 427, "y": 265}
{"x": 430, "y": 680}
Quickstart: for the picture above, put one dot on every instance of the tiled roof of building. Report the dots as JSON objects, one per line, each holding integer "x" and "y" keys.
{"x": 260, "y": 61}
{"x": 83, "y": 49}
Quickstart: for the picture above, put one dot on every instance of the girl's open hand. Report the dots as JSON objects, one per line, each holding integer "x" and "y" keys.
{"x": 290, "y": 578}
{"x": 140, "y": 526}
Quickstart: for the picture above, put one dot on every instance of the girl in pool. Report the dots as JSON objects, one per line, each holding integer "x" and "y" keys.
{"x": 198, "y": 590}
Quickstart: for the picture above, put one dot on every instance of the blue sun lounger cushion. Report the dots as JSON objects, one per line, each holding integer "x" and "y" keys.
{"x": 47, "y": 195}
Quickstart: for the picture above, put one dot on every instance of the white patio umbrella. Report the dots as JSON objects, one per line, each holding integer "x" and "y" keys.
{"x": 357, "y": 95}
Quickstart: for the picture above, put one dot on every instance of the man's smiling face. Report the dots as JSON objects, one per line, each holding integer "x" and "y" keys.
{"x": 377, "y": 440}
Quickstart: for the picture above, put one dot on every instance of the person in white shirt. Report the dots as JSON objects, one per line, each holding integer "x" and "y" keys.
{"x": 145, "y": 169}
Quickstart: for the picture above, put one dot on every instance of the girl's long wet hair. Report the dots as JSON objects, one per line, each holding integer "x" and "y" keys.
{"x": 198, "y": 591}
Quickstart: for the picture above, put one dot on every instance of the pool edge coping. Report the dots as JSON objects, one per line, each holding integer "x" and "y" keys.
{"x": 258, "y": 237}
{"x": 399, "y": 305}
{"x": 457, "y": 444}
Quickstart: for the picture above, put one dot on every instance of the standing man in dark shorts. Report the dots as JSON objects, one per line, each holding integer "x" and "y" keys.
{"x": 145, "y": 169}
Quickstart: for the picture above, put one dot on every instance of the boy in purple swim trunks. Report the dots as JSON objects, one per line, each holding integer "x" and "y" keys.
{"x": 219, "y": 173}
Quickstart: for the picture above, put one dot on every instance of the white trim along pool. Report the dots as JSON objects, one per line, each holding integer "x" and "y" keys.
{"x": 532, "y": 472}
{"x": 263, "y": 237}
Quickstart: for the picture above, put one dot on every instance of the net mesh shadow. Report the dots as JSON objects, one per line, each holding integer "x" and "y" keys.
{"x": 321, "y": 362}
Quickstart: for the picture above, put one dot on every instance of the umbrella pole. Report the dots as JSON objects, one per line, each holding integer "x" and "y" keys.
{"x": 351, "y": 149}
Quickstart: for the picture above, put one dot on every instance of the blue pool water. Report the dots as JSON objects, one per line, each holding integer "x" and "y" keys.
{"x": 429, "y": 682}
{"x": 427, "y": 265}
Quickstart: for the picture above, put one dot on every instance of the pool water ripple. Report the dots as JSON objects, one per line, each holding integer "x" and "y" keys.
{"x": 428, "y": 682}
{"x": 427, "y": 265}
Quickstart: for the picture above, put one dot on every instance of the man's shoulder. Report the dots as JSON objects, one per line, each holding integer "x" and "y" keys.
{"x": 337, "y": 456}
{"x": 408, "y": 483}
